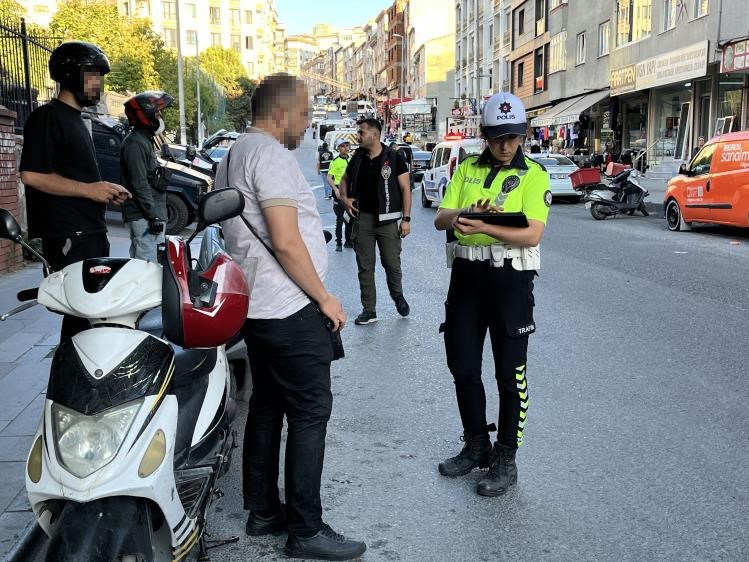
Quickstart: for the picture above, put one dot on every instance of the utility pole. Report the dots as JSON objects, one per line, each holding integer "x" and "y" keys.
{"x": 403, "y": 85}
{"x": 477, "y": 51}
{"x": 197, "y": 82}
{"x": 180, "y": 81}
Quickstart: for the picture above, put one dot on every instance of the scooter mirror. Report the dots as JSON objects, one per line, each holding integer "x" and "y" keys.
{"x": 220, "y": 205}
{"x": 9, "y": 228}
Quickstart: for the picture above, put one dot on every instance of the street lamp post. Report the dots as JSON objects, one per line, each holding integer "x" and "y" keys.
{"x": 403, "y": 85}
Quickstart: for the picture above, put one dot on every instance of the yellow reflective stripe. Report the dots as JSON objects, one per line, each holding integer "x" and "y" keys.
{"x": 522, "y": 386}
{"x": 523, "y": 395}
{"x": 522, "y": 415}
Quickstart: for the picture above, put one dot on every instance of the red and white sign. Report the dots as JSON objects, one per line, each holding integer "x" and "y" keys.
{"x": 735, "y": 57}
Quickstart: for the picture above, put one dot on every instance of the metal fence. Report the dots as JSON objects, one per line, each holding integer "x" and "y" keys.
{"x": 24, "y": 74}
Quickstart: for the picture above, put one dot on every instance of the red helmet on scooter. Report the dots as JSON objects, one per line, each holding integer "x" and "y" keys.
{"x": 202, "y": 308}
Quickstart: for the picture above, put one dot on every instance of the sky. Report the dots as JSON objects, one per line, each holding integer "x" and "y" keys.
{"x": 300, "y": 15}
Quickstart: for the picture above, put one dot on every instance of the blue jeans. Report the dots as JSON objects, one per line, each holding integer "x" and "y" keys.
{"x": 328, "y": 189}
{"x": 142, "y": 242}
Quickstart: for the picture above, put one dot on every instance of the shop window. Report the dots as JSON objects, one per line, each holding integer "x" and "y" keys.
{"x": 580, "y": 57}
{"x": 730, "y": 93}
{"x": 633, "y": 20}
{"x": 558, "y": 52}
{"x": 700, "y": 8}
{"x": 669, "y": 14}
{"x": 603, "y": 38}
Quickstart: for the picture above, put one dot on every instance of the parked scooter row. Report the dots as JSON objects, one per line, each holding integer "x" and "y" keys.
{"x": 623, "y": 194}
{"x": 137, "y": 423}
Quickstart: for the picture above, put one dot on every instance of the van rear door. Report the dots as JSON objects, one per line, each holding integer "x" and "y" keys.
{"x": 729, "y": 183}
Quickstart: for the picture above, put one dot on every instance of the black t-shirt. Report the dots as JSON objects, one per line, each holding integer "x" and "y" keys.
{"x": 325, "y": 157}
{"x": 56, "y": 141}
{"x": 369, "y": 179}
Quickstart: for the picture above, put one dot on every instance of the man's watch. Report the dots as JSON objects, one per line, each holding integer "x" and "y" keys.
{"x": 406, "y": 218}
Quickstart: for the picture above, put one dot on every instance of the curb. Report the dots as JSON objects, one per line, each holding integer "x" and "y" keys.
{"x": 656, "y": 208}
{"x": 21, "y": 550}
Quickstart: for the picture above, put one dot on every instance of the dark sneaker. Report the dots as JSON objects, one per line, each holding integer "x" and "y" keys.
{"x": 338, "y": 247}
{"x": 402, "y": 306}
{"x": 476, "y": 453}
{"x": 366, "y": 317}
{"x": 503, "y": 473}
{"x": 325, "y": 545}
{"x": 348, "y": 245}
{"x": 258, "y": 525}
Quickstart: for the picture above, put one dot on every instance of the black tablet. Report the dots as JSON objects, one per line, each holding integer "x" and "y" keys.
{"x": 516, "y": 220}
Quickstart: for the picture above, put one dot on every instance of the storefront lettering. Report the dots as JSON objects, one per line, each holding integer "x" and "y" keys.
{"x": 735, "y": 153}
{"x": 623, "y": 80}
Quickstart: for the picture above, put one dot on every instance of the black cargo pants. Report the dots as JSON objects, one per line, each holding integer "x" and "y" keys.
{"x": 500, "y": 300}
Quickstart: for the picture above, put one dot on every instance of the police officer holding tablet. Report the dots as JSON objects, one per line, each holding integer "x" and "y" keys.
{"x": 491, "y": 288}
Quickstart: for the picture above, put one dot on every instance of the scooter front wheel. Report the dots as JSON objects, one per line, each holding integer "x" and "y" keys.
{"x": 596, "y": 211}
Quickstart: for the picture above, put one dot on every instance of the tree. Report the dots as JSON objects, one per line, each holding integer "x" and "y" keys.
{"x": 225, "y": 66}
{"x": 238, "y": 108}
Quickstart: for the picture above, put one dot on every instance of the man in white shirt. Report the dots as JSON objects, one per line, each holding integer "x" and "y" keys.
{"x": 288, "y": 343}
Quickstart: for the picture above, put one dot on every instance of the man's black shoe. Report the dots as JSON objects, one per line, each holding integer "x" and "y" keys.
{"x": 258, "y": 525}
{"x": 366, "y": 317}
{"x": 476, "y": 453}
{"x": 348, "y": 244}
{"x": 325, "y": 545}
{"x": 338, "y": 247}
{"x": 402, "y": 306}
{"x": 503, "y": 473}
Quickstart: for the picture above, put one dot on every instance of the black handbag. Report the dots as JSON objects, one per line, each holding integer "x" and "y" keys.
{"x": 335, "y": 335}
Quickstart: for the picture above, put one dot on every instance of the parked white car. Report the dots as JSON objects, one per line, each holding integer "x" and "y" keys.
{"x": 559, "y": 168}
{"x": 445, "y": 159}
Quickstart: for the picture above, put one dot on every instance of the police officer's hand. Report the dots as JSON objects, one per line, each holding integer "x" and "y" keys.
{"x": 484, "y": 206}
{"x": 404, "y": 229}
{"x": 333, "y": 309}
{"x": 468, "y": 226}
{"x": 156, "y": 226}
{"x": 352, "y": 207}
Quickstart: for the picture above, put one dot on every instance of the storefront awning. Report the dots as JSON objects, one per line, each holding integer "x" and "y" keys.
{"x": 569, "y": 110}
{"x": 548, "y": 118}
{"x": 572, "y": 113}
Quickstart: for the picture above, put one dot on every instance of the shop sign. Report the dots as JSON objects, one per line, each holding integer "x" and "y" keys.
{"x": 623, "y": 80}
{"x": 735, "y": 57}
{"x": 676, "y": 66}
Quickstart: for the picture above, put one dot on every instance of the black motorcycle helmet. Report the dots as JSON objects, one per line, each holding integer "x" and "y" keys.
{"x": 141, "y": 110}
{"x": 68, "y": 62}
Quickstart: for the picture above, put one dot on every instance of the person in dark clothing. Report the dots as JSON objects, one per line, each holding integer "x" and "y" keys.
{"x": 375, "y": 190}
{"x": 145, "y": 213}
{"x": 324, "y": 158}
{"x": 65, "y": 196}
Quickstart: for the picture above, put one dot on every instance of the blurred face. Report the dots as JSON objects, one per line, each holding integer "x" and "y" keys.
{"x": 295, "y": 119}
{"x": 93, "y": 83}
{"x": 504, "y": 148}
{"x": 701, "y": 141}
{"x": 369, "y": 137}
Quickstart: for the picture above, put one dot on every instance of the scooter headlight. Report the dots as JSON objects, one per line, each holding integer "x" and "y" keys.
{"x": 87, "y": 443}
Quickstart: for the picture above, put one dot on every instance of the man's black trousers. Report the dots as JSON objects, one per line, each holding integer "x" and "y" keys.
{"x": 290, "y": 363}
{"x": 340, "y": 224}
{"x": 500, "y": 300}
{"x": 61, "y": 252}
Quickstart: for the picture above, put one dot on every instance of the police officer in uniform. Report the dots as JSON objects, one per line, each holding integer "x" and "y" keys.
{"x": 145, "y": 214}
{"x": 335, "y": 174}
{"x": 491, "y": 288}
{"x": 324, "y": 157}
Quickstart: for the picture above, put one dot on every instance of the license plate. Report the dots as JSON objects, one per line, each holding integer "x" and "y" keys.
{"x": 588, "y": 204}
{"x": 559, "y": 176}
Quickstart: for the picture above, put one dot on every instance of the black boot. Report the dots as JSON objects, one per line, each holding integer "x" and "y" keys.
{"x": 503, "y": 472}
{"x": 475, "y": 454}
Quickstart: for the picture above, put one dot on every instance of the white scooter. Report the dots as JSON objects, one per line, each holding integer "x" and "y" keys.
{"x": 135, "y": 431}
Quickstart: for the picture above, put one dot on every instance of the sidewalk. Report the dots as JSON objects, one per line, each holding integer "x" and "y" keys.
{"x": 27, "y": 342}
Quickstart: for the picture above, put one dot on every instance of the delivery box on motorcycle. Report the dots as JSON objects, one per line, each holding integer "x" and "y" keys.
{"x": 202, "y": 307}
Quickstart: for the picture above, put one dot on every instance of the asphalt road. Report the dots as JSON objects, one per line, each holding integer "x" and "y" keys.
{"x": 637, "y": 434}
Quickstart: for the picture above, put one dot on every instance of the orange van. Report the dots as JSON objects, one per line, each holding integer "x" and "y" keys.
{"x": 713, "y": 187}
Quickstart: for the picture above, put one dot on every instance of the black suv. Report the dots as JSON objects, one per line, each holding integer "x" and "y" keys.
{"x": 185, "y": 186}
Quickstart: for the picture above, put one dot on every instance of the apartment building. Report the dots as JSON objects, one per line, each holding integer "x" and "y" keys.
{"x": 395, "y": 48}
{"x": 299, "y": 50}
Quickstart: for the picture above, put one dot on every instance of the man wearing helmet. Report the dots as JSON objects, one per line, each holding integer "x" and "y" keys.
{"x": 145, "y": 213}
{"x": 65, "y": 196}
{"x": 491, "y": 288}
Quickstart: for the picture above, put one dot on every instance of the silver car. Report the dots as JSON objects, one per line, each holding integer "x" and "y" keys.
{"x": 559, "y": 168}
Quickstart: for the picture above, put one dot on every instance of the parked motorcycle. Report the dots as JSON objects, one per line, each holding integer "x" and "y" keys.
{"x": 623, "y": 195}
{"x": 136, "y": 431}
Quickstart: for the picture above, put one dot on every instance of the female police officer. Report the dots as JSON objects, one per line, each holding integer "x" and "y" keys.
{"x": 491, "y": 287}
